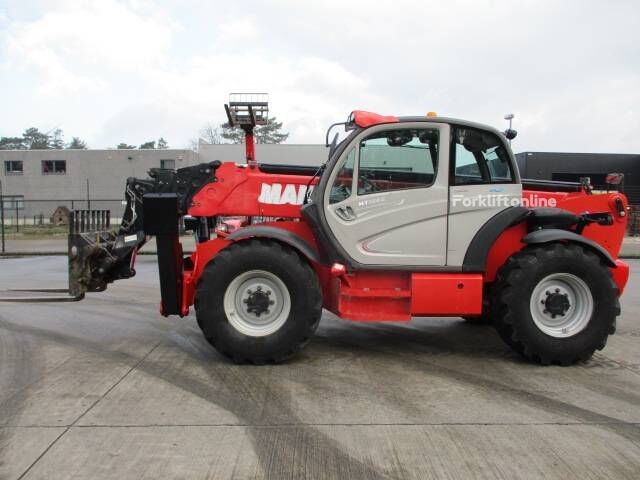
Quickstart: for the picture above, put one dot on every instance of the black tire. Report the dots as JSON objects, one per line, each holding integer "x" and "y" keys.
{"x": 300, "y": 280}
{"x": 511, "y": 307}
{"x": 478, "y": 319}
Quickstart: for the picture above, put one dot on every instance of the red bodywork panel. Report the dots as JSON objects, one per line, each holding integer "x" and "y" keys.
{"x": 446, "y": 293}
{"x": 378, "y": 295}
{"x": 609, "y": 236}
{"x": 247, "y": 191}
{"x": 367, "y": 119}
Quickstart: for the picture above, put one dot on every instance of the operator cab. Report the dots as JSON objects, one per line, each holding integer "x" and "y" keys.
{"x": 411, "y": 191}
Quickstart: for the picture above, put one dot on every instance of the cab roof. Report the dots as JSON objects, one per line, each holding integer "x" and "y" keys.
{"x": 364, "y": 119}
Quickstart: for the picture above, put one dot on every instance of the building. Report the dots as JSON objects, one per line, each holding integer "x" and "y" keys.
{"x": 572, "y": 166}
{"x": 285, "y": 154}
{"x": 36, "y": 182}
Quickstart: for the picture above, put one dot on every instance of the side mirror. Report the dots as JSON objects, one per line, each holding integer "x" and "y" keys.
{"x": 510, "y": 134}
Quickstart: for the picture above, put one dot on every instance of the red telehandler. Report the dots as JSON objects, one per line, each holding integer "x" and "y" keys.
{"x": 409, "y": 216}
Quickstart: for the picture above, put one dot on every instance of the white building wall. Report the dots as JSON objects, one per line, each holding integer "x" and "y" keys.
{"x": 286, "y": 154}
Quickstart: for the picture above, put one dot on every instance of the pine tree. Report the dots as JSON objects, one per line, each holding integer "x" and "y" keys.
{"x": 269, "y": 133}
{"x": 77, "y": 144}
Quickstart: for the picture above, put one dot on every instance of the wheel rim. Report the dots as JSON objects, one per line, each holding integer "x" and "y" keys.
{"x": 257, "y": 303}
{"x": 561, "y": 305}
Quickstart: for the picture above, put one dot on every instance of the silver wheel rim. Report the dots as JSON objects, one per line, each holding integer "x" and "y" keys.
{"x": 577, "y": 303}
{"x": 240, "y": 303}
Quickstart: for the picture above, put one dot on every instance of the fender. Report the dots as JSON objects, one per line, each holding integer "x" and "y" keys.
{"x": 547, "y": 235}
{"x": 476, "y": 257}
{"x": 286, "y": 236}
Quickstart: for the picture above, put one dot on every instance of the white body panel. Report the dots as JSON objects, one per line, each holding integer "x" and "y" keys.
{"x": 401, "y": 227}
{"x": 470, "y": 207}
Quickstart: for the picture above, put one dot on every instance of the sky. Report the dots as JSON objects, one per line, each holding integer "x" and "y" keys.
{"x": 112, "y": 71}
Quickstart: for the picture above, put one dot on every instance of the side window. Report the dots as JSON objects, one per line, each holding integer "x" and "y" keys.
{"x": 480, "y": 157}
{"x": 397, "y": 160}
{"x": 342, "y": 185}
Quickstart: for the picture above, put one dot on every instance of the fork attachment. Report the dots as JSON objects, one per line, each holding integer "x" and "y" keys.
{"x": 97, "y": 255}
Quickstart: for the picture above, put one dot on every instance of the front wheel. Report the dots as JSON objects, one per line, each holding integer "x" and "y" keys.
{"x": 555, "y": 303}
{"x": 258, "y": 301}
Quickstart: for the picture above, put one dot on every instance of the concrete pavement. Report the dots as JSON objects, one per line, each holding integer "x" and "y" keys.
{"x": 107, "y": 388}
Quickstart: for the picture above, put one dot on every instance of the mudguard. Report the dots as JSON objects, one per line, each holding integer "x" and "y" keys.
{"x": 547, "y": 235}
{"x": 476, "y": 257}
{"x": 280, "y": 234}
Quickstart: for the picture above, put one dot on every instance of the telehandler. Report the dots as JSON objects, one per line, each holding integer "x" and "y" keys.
{"x": 409, "y": 216}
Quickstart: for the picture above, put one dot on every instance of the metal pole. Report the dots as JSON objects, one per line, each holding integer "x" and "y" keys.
{"x": 88, "y": 196}
{"x": 2, "y": 215}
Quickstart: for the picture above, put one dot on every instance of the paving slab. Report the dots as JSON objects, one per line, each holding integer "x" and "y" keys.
{"x": 338, "y": 451}
{"x": 108, "y": 388}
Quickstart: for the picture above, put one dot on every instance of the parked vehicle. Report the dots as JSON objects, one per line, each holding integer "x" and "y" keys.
{"x": 410, "y": 216}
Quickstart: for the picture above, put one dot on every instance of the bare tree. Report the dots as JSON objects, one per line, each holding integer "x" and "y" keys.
{"x": 211, "y": 134}
{"x": 194, "y": 144}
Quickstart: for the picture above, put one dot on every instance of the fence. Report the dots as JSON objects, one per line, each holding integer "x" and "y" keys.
{"x": 19, "y": 212}
{"x": 46, "y": 222}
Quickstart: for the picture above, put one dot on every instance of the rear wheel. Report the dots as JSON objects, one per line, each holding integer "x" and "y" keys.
{"x": 555, "y": 303}
{"x": 258, "y": 301}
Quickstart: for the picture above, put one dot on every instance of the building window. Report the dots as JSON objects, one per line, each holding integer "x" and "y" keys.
{"x": 54, "y": 167}
{"x": 168, "y": 164}
{"x": 13, "y": 167}
{"x": 13, "y": 202}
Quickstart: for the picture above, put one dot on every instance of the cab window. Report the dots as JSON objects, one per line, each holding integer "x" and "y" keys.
{"x": 397, "y": 160}
{"x": 342, "y": 185}
{"x": 480, "y": 157}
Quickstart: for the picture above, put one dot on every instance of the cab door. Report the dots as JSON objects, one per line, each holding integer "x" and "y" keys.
{"x": 484, "y": 182}
{"x": 386, "y": 199}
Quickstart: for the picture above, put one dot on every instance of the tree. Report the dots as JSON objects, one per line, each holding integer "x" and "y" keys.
{"x": 77, "y": 144}
{"x": 12, "y": 143}
{"x": 194, "y": 144}
{"x": 34, "y": 139}
{"x": 269, "y": 133}
{"x": 162, "y": 144}
{"x": 125, "y": 146}
{"x": 233, "y": 134}
{"x": 149, "y": 145}
{"x": 55, "y": 141}
{"x": 211, "y": 134}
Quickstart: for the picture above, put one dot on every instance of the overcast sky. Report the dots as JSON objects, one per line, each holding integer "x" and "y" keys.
{"x": 129, "y": 71}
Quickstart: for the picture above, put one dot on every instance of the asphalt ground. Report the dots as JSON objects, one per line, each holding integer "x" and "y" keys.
{"x": 107, "y": 388}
